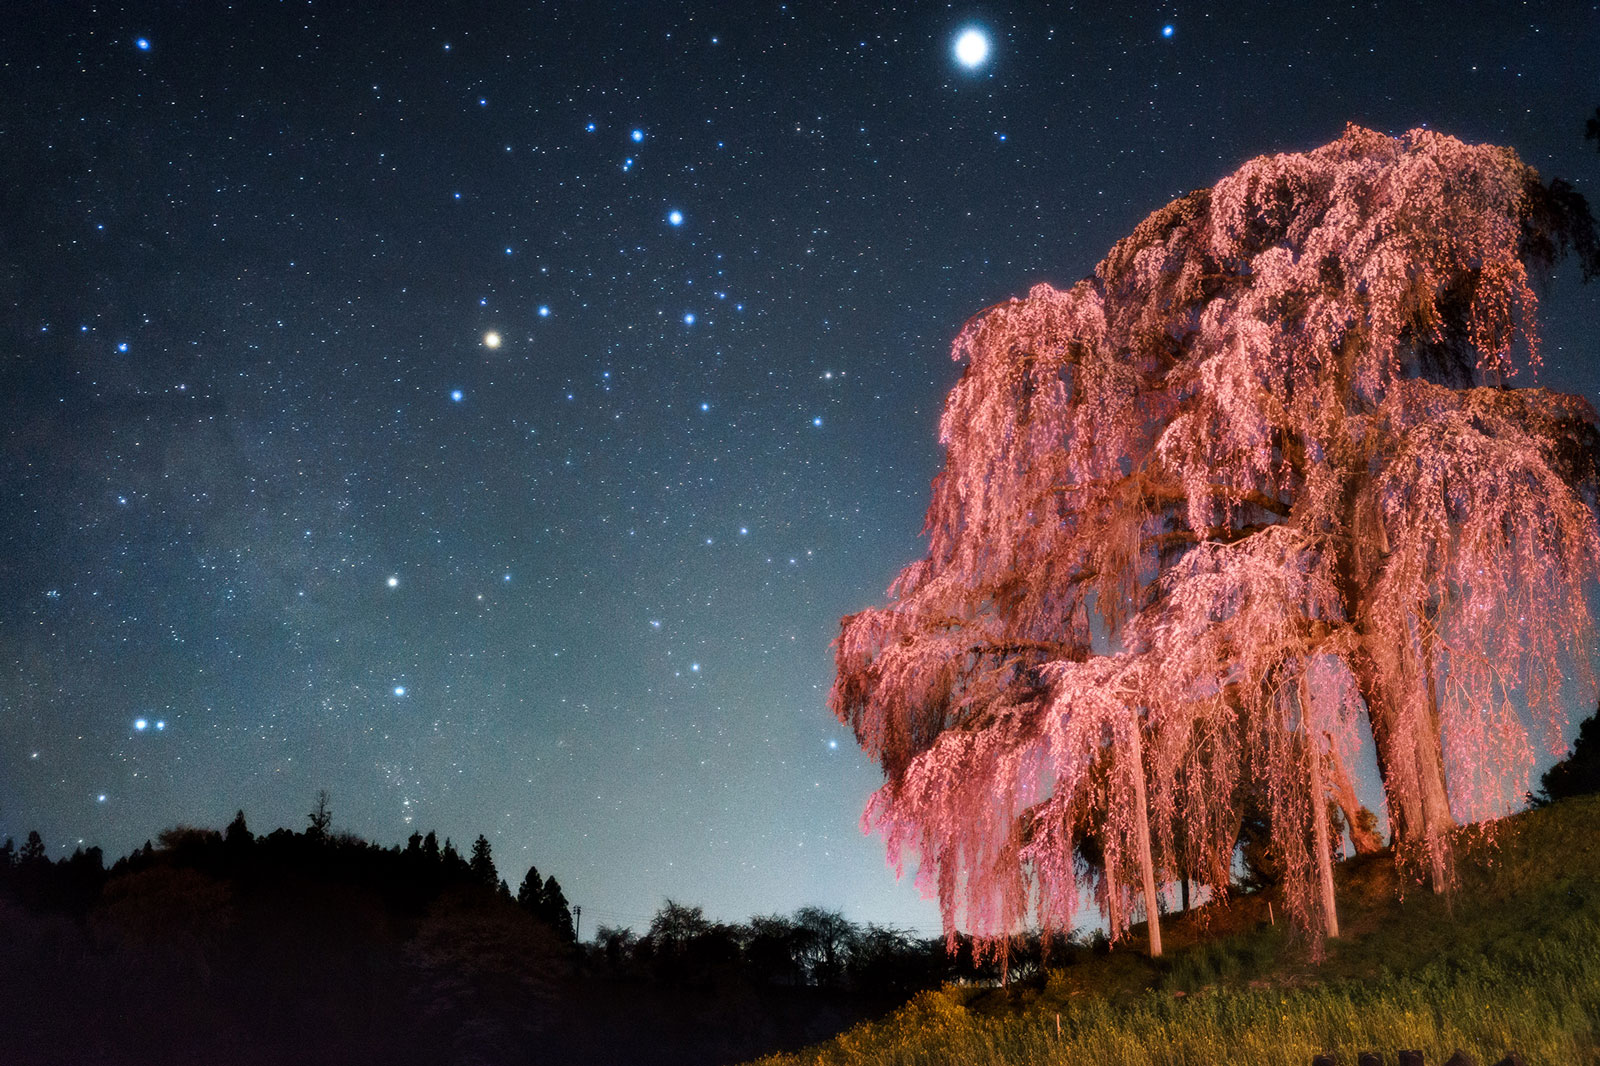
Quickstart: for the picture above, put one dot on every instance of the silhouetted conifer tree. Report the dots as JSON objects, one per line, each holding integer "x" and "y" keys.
{"x": 530, "y": 894}
{"x": 554, "y": 910}
{"x": 482, "y": 862}
{"x": 238, "y": 834}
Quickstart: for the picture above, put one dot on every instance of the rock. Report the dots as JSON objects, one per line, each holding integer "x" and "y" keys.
{"x": 1324, "y": 1060}
{"x": 1460, "y": 1058}
{"x": 1411, "y": 1058}
{"x": 1512, "y": 1059}
{"x": 1369, "y": 1058}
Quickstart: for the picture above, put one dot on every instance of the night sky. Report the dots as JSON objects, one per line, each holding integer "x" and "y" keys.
{"x": 485, "y": 412}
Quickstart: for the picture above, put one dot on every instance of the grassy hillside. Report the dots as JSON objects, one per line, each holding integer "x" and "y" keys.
{"x": 1511, "y": 961}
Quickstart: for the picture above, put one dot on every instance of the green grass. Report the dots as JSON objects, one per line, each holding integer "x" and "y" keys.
{"x": 1509, "y": 961}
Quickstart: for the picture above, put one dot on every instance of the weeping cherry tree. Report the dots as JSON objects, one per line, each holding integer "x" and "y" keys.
{"x": 1260, "y": 486}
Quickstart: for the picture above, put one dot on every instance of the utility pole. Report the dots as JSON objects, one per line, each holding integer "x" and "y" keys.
{"x": 577, "y": 924}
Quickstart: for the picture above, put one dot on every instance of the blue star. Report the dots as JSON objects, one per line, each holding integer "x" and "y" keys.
{"x": 637, "y": 135}
{"x": 399, "y": 690}
{"x": 688, "y": 318}
{"x": 142, "y": 44}
{"x": 140, "y": 724}
{"x": 1166, "y": 31}
{"x": 544, "y": 312}
{"x": 676, "y": 218}
{"x": 455, "y": 394}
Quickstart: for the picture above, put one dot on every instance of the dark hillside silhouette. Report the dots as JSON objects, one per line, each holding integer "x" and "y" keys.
{"x": 1579, "y": 773}
{"x": 317, "y": 946}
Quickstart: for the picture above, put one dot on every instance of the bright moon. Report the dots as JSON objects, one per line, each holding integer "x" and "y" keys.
{"x": 491, "y": 339}
{"x": 972, "y": 48}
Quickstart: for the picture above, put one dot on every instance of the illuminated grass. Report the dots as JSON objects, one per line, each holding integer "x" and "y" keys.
{"x": 1512, "y": 963}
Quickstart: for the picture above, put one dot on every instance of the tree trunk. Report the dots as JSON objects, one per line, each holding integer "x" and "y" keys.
{"x": 1431, "y": 772}
{"x": 1319, "y": 832}
{"x": 1142, "y": 839}
{"x": 1406, "y": 823}
{"x": 1363, "y": 836}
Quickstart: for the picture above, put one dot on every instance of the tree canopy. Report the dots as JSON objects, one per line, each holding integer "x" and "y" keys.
{"x": 1259, "y": 480}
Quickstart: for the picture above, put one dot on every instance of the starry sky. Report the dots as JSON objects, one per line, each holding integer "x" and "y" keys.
{"x": 485, "y": 412}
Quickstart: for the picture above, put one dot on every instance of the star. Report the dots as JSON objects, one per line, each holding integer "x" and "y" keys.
{"x": 142, "y": 44}
{"x": 399, "y": 690}
{"x": 1166, "y": 31}
{"x": 675, "y": 218}
{"x": 491, "y": 339}
{"x": 456, "y": 395}
{"x": 972, "y": 48}
{"x": 393, "y": 582}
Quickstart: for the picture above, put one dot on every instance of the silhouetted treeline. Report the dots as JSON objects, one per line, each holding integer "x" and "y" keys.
{"x": 316, "y": 946}
{"x": 813, "y": 948}
{"x": 704, "y": 991}
{"x": 303, "y": 947}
